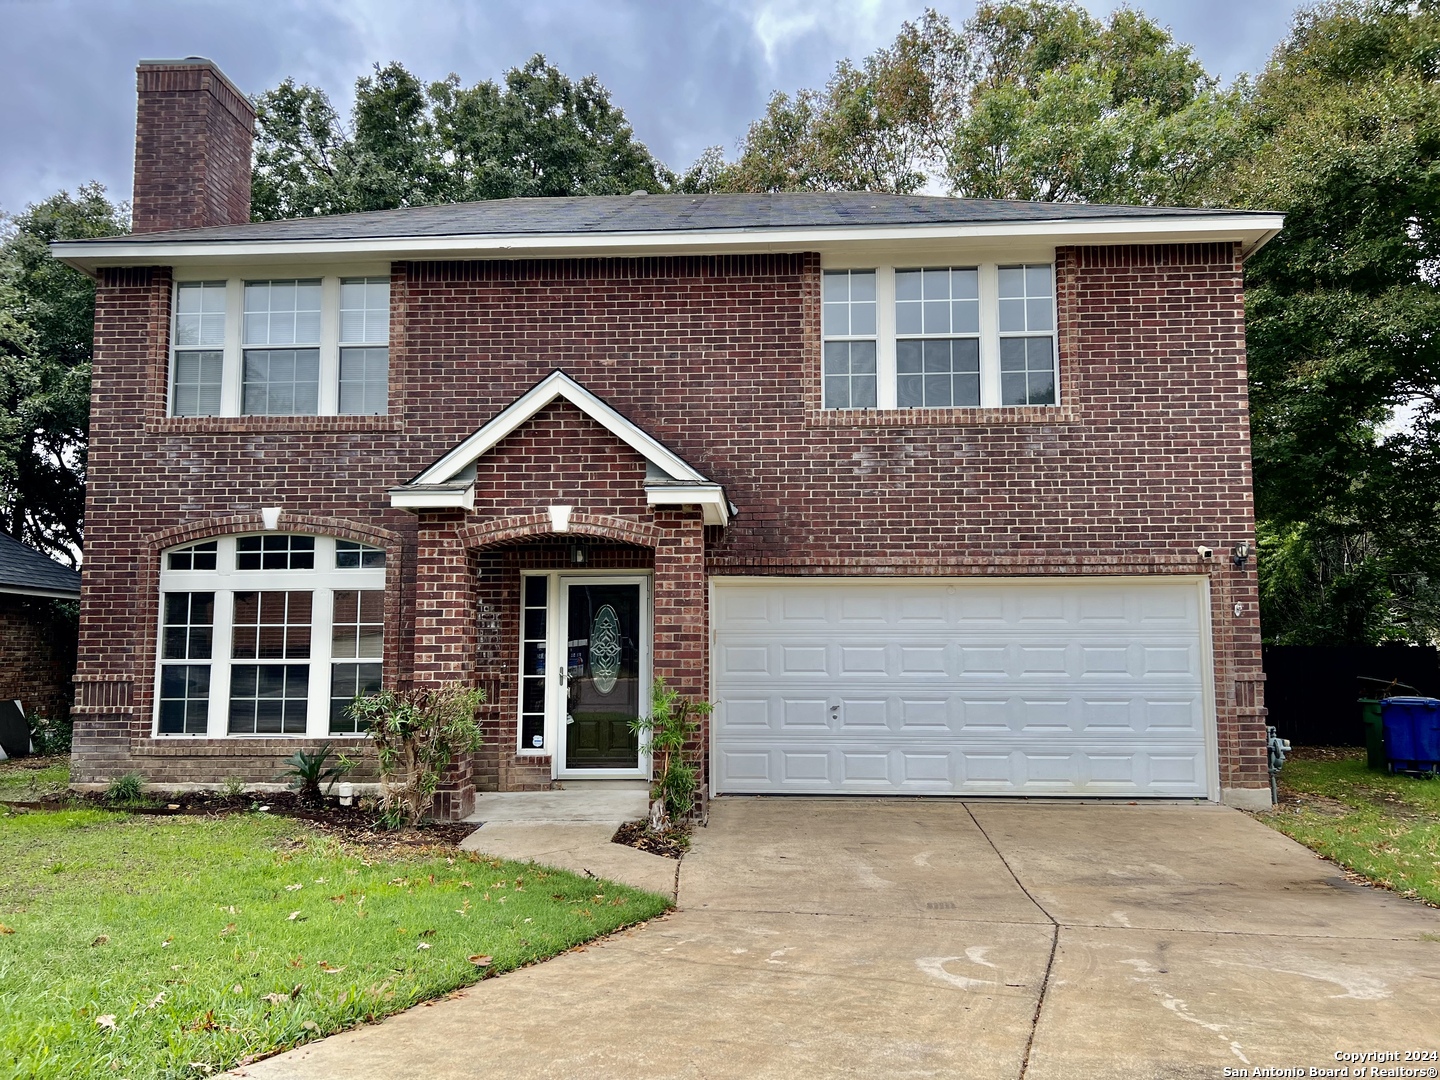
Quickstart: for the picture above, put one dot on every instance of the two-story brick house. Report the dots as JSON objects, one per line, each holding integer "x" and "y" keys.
{"x": 929, "y": 496}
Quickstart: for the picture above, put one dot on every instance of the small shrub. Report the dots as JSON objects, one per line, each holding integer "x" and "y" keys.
{"x": 672, "y": 722}
{"x": 234, "y": 787}
{"x": 129, "y": 788}
{"x": 416, "y": 734}
{"x": 308, "y": 771}
{"x": 51, "y": 736}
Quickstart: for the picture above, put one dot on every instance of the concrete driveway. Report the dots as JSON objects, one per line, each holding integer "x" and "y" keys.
{"x": 918, "y": 938}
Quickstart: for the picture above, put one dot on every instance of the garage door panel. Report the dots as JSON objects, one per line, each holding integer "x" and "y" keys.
{"x": 947, "y": 686}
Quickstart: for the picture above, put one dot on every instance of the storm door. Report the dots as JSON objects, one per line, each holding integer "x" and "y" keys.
{"x": 604, "y": 685}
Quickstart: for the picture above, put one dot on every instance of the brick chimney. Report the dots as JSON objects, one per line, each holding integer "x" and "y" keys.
{"x": 193, "y": 133}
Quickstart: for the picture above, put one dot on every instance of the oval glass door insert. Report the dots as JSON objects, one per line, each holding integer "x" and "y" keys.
{"x": 605, "y": 649}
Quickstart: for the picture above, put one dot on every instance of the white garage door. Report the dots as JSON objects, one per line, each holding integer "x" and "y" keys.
{"x": 962, "y": 687}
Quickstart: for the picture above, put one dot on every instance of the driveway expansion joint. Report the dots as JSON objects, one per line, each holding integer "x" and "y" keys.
{"x": 1054, "y": 941}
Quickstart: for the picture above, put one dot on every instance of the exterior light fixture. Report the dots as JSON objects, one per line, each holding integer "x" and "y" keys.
{"x": 1240, "y": 555}
{"x": 577, "y": 554}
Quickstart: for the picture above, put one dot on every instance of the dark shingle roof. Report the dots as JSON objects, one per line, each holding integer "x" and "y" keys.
{"x": 665, "y": 213}
{"x": 23, "y": 569}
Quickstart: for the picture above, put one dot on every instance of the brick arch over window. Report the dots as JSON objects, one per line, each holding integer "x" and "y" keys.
{"x": 289, "y": 523}
{"x": 518, "y": 528}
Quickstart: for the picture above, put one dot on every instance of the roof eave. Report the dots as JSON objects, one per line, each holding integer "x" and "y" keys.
{"x": 1250, "y": 229}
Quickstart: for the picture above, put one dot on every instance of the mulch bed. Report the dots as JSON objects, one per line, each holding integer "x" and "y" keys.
{"x": 672, "y": 843}
{"x": 348, "y": 824}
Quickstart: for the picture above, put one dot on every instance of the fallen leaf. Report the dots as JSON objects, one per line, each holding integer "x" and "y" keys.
{"x": 481, "y": 961}
{"x": 292, "y": 888}
{"x": 172, "y": 806}
{"x": 106, "y": 1021}
{"x": 296, "y": 992}
{"x": 423, "y": 945}
{"x": 310, "y": 1025}
{"x": 427, "y": 933}
{"x": 276, "y": 999}
{"x": 292, "y": 916}
{"x": 203, "y": 1023}
{"x": 319, "y": 881}
{"x": 229, "y": 929}
{"x": 103, "y": 939}
{"x": 6, "y": 929}
{"x": 329, "y": 968}
{"x": 157, "y": 1000}
{"x": 337, "y": 899}
{"x": 166, "y": 943}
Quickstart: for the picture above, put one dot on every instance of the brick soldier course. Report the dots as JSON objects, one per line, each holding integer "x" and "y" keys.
{"x": 717, "y": 356}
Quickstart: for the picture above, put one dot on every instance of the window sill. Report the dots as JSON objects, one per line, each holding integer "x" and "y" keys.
{"x": 181, "y": 425}
{"x": 161, "y": 745}
{"x": 946, "y": 417}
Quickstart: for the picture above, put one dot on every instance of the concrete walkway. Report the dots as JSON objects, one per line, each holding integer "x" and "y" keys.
{"x": 917, "y": 938}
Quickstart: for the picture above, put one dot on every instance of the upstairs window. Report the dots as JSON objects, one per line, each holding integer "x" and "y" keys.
{"x": 850, "y": 340}
{"x": 199, "y": 348}
{"x": 282, "y": 376}
{"x": 281, "y": 347}
{"x": 268, "y": 635}
{"x": 939, "y": 337}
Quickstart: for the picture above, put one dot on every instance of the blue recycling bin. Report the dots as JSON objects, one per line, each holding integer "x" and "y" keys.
{"x": 1412, "y": 733}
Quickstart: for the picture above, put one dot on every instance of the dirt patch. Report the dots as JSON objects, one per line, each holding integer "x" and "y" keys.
{"x": 1326, "y": 753}
{"x": 672, "y": 843}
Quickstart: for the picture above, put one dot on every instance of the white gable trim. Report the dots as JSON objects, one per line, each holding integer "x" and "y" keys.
{"x": 557, "y": 385}
{"x": 442, "y": 485}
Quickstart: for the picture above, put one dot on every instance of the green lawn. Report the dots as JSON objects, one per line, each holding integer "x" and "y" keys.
{"x": 32, "y": 778}
{"x": 138, "y": 947}
{"x": 1385, "y": 828}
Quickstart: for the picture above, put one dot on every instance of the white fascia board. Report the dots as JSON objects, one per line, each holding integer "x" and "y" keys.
{"x": 1251, "y": 230}
{"x": 48, "y": 594}
{"x": 453, "y": 499}
{"x": 710, "y": 498}
{"x": 556, "y": 385}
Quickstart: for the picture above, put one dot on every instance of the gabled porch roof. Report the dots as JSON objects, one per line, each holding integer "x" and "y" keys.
{"x": 669, "y": 479}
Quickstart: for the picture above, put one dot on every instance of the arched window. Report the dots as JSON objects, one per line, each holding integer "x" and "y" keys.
{"x": 268, "y": 635}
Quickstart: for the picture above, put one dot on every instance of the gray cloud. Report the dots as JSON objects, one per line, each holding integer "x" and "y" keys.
{"x": 688, "y": 75}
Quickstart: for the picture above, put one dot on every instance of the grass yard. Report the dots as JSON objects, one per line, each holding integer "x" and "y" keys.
{"x": 138, "y": 947}
{"x": 1385, "y": 828}
{"x": 30, "y": 779}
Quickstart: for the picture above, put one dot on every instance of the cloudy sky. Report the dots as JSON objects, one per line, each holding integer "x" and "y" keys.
{"x": 688, "y": 73}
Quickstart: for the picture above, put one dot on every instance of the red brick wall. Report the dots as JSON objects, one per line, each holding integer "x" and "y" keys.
{"x": 193, "y": 135}
{"x": 719, "y": 358}
{"x": 37, "y": 656}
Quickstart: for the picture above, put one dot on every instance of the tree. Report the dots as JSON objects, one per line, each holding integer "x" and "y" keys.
{"x": 1343, "y": 320}
{"x": 408, "y": 144}
{"x": 1027, "y": 100}
{"x": 47, "y": 315}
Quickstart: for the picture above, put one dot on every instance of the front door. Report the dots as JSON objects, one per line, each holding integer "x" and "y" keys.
{"x": 604, "y": 685}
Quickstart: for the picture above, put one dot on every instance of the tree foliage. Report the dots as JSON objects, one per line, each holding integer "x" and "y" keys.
{"x": 1342, "y": 319}
{"x": 1028, "y": 99}
{"x": 47, "y": 315}
{"x": 411, "y": 144}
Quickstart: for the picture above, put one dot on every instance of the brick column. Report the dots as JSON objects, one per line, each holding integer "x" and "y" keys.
{"x": 681, "y": 652}
{"x": 444, "y": 635}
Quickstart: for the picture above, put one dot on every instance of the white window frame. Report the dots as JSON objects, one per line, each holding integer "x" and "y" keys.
{"x": 233, "y": 374}
{"x": 989, "y": 274}
{"x": 224, "y": 581}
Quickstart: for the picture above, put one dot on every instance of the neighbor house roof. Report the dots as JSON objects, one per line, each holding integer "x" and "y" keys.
{"x": 28, "y": 572}
{"x": 626, "y": 223}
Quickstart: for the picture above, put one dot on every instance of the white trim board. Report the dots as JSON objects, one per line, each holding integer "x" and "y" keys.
{"x": 1252, "y": 230}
